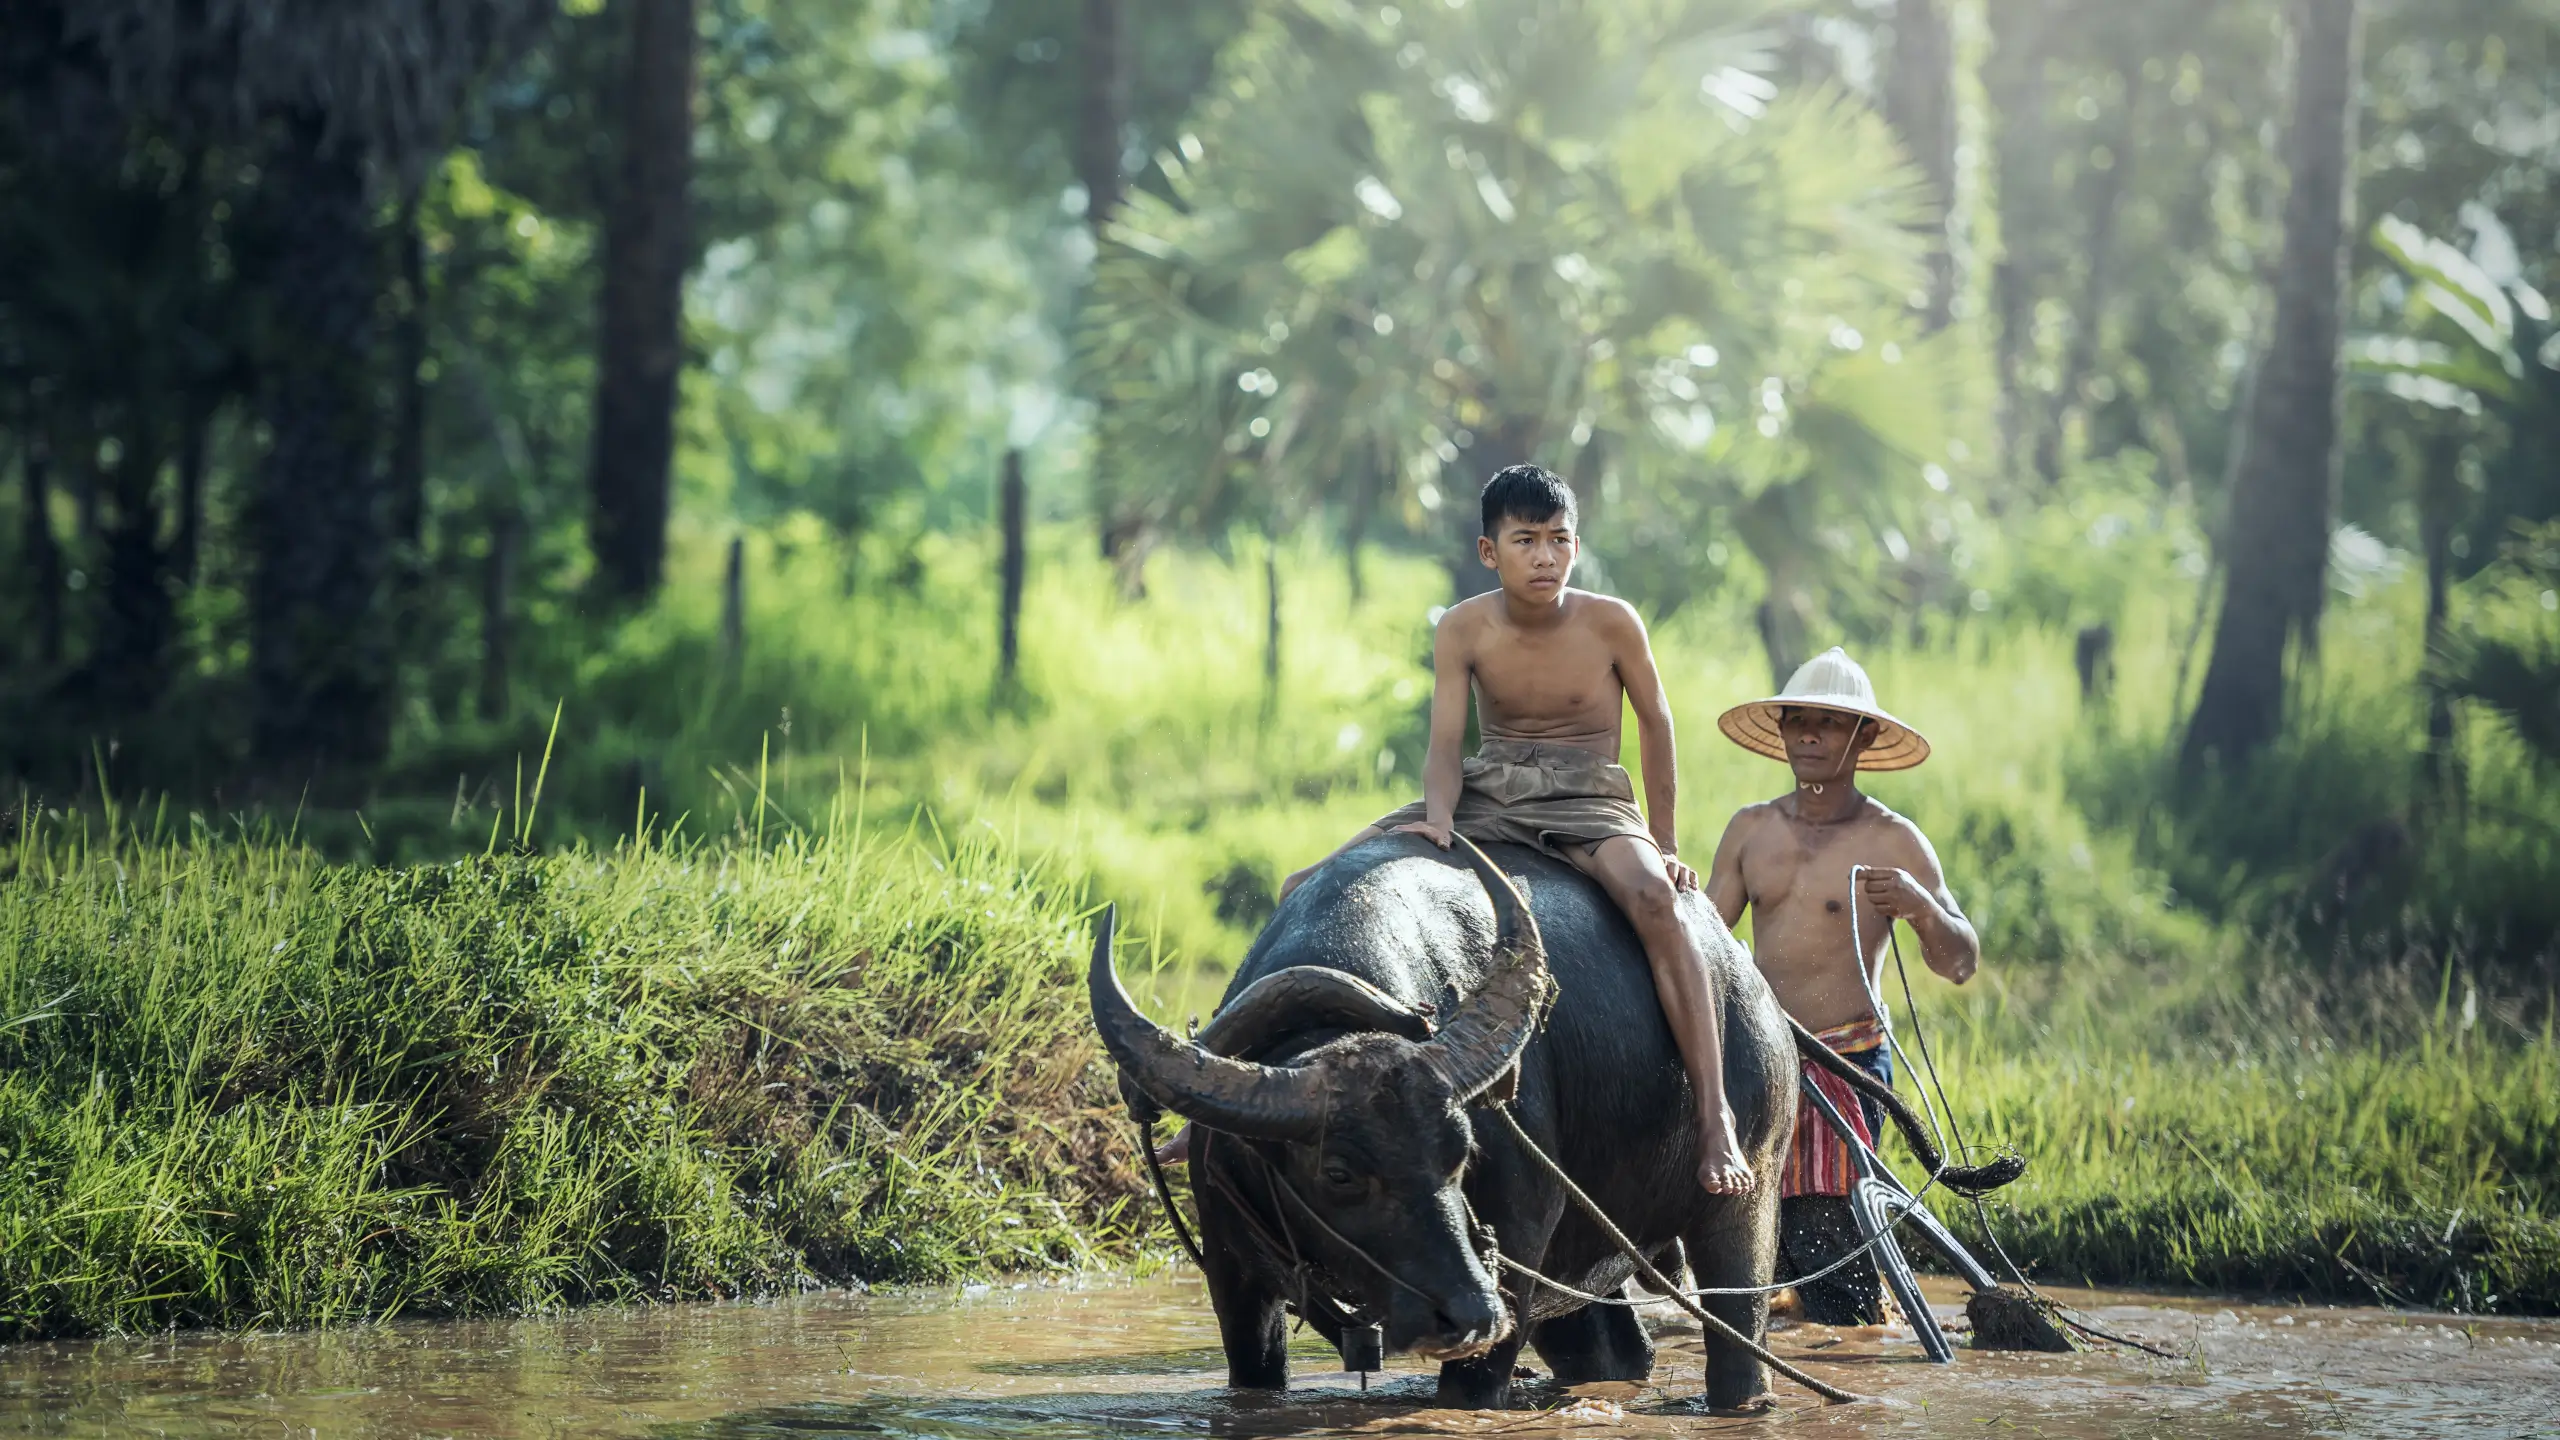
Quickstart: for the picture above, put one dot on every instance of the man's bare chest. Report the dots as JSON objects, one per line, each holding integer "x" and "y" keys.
{"x": 1805, "y": 869}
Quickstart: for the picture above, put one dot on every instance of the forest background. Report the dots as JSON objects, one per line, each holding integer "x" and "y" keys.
{"x": 1044, "y": 431}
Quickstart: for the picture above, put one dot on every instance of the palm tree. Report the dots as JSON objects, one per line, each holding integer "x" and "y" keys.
{"x": 2467, "y": 347}
{"x": 1397, "y": 256}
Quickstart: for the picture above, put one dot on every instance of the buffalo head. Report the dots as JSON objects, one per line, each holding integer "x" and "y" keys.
{"x": 1366, "y": 1134}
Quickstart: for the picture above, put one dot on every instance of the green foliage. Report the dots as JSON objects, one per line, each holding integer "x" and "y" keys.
{"x": 2508, "y": 661}
{"x": 1587, "y": 234}
{"x": 246, "y": 1088}
{"x": 2245, "y": 1137}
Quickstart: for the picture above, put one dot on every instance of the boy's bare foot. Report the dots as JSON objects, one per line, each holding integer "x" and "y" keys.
{"x": 1721, "y": 1168}
{"x": 1176, "y": 1151}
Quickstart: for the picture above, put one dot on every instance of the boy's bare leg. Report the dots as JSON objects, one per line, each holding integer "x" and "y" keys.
{"x": 1299, "y": 877}
{"x": 1632, "y": 872}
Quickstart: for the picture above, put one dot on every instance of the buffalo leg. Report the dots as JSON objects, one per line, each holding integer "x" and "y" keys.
{"x": 1483, "y": 1383}
{"x": 1251, "y": 1324}
{"x": 1254, "y": 1330}
{"x": 1734, "y": 1246}
{"x": 1596, "y": 1342}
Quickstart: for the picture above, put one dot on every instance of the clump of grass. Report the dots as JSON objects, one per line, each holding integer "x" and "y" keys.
{"x": 2241, "y": 1134}
{"x": 245, "y": 1087}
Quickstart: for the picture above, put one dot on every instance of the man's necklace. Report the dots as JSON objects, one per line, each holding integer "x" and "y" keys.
{"x": 1842, "y": 818}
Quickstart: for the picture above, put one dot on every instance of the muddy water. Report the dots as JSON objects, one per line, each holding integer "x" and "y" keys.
{"x": 1106, "y": 1358}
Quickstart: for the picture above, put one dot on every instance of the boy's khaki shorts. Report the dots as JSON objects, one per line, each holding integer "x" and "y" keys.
{"x": 1547, "y": 797}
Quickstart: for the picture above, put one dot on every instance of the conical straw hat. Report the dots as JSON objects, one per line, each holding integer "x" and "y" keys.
{"x": 1828, "y": 681}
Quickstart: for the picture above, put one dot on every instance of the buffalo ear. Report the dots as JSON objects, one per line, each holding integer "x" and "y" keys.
{"x": 1308, "y": 997}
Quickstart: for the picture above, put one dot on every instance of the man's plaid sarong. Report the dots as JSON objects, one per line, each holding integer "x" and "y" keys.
{"x": 1817, "y": 1158}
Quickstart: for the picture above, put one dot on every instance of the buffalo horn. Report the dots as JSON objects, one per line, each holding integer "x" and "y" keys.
{"x": 1240, "y": 1097}
{"x": 1484, "y": 1039}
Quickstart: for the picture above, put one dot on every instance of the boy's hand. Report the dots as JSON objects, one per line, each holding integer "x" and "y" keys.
{"x": 1683, "y": 879}
{"x": 1894, "y": 894}
{"x": 1436, "y": 834}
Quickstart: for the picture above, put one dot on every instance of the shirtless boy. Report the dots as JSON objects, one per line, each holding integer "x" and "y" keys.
{"x": 1552, "y": 669}
{"x": 1790, "y": 861}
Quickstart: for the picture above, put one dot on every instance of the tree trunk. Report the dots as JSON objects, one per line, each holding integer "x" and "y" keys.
{"x": 1920, "y": 104}
{"x": 2276, "y": 546}
{"x": 408, "y": 463}
{"x": 1012, "y": 504}
{"x": 42, "y": 553}
{"x": 1271, "y": 624}
{"x": 318, "y": 655}
{"x": 2023, "y": 169}
{"x": 1102, "y": 110}
{"x": 733, "y": 613}
{"x": 648, "y": 246}
{"x": 1102, "y": 118}
{"x": 130, "y": 661}
{"x": 2439, "y": 511}
{"x": 186, "y": 548}
{"x": 1355, "y": 523}
{"x": 2088, "y": 318}
{"x": 497, "y": 610}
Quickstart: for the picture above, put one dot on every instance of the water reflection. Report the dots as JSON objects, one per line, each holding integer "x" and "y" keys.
{"x": 1103, "y": 1358}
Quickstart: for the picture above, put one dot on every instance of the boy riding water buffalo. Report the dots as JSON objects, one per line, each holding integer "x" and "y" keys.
{"x": 1552, "y": 669}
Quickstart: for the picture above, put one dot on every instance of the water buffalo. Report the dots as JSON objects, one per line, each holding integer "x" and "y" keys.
{"x": 1346, "y": 1171}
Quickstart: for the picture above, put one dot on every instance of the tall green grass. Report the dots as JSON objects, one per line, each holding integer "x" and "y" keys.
{"x": 240, "y": 1086}
{"x": 2248, "y": 1134}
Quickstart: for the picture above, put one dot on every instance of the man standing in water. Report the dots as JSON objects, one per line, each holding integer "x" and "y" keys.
{"x": 1551, "y": 670}
{"x": 1825, "y": 871}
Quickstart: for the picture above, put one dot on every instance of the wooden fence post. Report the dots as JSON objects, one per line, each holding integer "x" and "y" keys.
{"x": 733, "y": 612}
{"x": 1009, "y": 617}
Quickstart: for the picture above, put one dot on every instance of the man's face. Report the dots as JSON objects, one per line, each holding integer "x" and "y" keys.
{"x": 1824, "y": 745}
{"x": 1532, "y": 558}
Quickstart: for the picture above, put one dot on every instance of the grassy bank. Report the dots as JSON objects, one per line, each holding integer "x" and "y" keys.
{"x": 245, "y": 1087}
{"x": 2390, "y": 1140}
{"x": 242, "y": 1087}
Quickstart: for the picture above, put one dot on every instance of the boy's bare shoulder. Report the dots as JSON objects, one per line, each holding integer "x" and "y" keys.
{"x": 1607, "y": 613}
{"x": 1468, "y": 618}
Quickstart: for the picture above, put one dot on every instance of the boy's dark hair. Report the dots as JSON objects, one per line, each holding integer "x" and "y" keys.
{"x": 1526, "y": 492}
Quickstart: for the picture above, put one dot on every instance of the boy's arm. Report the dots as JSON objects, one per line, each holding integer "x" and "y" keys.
{"x": 1919, "y": 895}
{"x": 1442, "y": 773}
{"x": 1725, "y": 889}
{"x": 1655, "y": 745}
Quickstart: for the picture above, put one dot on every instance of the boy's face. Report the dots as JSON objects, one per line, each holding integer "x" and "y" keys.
{"x": 1532, "y": 558}
{"x": 1824, "y": 745}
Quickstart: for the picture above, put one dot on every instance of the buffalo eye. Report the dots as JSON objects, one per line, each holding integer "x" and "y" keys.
{"x": 1338, "y": 1176}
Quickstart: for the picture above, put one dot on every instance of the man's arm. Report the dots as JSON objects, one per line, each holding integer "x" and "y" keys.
{"x": 1656, "y": 747}
{"x": 1918, "y": 893}
{"x": 1725, "y": 889}
{"x": 1452, "y": 665}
